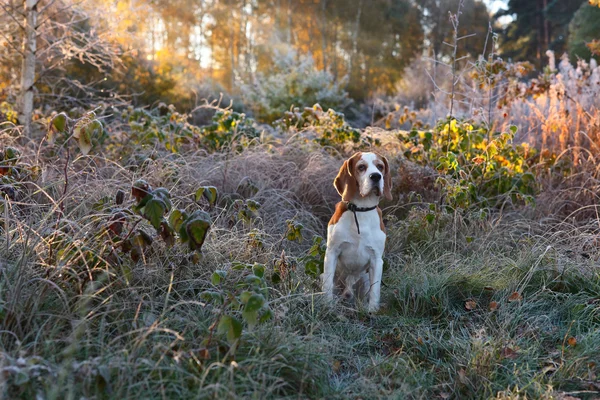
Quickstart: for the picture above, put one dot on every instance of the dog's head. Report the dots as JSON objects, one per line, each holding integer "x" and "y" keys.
{"x": 362, "y": 175}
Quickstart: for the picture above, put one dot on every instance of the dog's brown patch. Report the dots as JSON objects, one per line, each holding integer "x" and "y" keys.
{"x": 340, "y": 208}
{"x": 381, "y": 225}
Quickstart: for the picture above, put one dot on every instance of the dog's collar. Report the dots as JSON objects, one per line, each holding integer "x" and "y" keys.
{"x": 354, "y": 208}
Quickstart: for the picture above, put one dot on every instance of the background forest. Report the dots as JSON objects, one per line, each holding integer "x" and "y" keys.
{"x": 166, "y": 174}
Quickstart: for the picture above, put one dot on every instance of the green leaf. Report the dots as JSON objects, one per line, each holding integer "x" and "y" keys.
{"x": 253, "y": 205}
{"x": 196, "y": 229}
{"x": 11, "y": 155}
{"x": 267, "y": 315}
{"x": 218, "y": 276}
{"x": 275, "y": 277}
{"x": 253, "y": 280}
{"x": 59, "y": 122}
{"x": 513, "y": 129}
{"x": 176, "y": 219}
{"x": 258, "y": 270}
{"x": 254, "y": 303}
{"x": 312, "y": 268}
{"x": 154, "y": 211}
{"x": 245, "y": 296}
{"x": 430, "y": 218}
{"x": 231, "y": 327}
{"x": 251, "y": 317}
{"x": 165, "y": 196}
{"x": 211, "y": 295}
{"x": 209, "y": 193}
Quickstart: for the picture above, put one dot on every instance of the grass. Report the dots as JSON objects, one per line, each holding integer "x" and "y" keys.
{"x": 451, "y": 325}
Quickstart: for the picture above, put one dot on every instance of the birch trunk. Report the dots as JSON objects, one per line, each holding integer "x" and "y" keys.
{"x": 28, "y": 67}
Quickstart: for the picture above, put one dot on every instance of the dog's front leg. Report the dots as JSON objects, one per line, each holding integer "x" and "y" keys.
{"x": 330, "y": 263}
{"x": 375, "y": 272}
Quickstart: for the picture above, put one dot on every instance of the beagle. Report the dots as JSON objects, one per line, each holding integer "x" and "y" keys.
{"x": 356, "y": 234}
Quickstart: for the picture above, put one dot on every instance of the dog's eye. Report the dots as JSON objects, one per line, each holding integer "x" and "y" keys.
{"x": 362, "y": 168}
{"x": 380, "y": 167}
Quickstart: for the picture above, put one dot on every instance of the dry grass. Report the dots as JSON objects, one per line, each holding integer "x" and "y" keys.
{"x": 66, "y": 336}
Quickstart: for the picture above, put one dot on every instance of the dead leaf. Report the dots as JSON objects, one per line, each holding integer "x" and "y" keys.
{"x": 493, "y": 305}
{"x": 203, "y": 354}
{"x": 420, "y": 340}
{"x": 516, "y": 296}
{"x": 337, "y": 364}
{"x": 509, "y": 353}
{"x": 470, "y": 305}
{"x": 572, "y": 341}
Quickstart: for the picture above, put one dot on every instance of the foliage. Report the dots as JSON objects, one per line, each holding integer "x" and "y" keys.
{"x": 330, "y": 127}
{"x": 229, "y": 129}
{"x": 479, "y": 168}
{"x": 164, "y": 125}
{"x": 247, "y": 301}
{"x": 583, "y": 29}
{"x": 538, "y": 26}
{"x": 292, "y": 81}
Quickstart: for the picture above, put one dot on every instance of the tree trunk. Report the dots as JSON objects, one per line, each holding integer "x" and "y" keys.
{"x": 355, "y": 39}
{"x": 28, "y": 66}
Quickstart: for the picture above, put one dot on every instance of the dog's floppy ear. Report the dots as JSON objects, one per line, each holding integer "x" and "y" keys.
{"x": 345, "y": 183}
{"x": 387, "y": 179}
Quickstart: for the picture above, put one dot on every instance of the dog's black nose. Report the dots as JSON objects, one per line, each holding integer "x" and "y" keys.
{"x": 375, "y": 177}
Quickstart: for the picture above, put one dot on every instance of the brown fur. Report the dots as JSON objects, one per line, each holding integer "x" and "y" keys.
{"x": 381, "y": 225}
{"x": 345, "y": 182}
{"x": 340, "y": 208}
{"x": 387, "y": 178}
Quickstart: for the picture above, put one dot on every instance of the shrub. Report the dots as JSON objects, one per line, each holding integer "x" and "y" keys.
{"x": 479, "y": 168}
{"x": 330, "y": 127}
{"x": 293, "y": 81}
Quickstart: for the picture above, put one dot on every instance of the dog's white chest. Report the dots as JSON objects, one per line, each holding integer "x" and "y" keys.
{"x": 357, "y": 250}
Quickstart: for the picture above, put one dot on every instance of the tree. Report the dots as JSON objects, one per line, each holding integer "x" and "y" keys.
{"x": 46, "y": 35}
{"x": 583, "y": 30}
{"x": 537, "y": 26}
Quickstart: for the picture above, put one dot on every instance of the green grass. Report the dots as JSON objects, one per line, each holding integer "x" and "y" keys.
{"x": 64, "y": 336}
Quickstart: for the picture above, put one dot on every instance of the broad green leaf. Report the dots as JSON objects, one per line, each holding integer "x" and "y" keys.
{"x": 209, "y": 193}
{"x": 258, "y": 270}
{"x": 165, "y": 196}
{"x": 231, "y": 327}
{"x": 218, "y": 276}
{"x": 267, "y": 315}
{"x": 254, "y": 303}
{"x": 176, "y": 219}
{"x": 11, "y": 155}
{"x": 196, "y": 229}
{"x": 251, "y": 317}
{"x": 154, "y": 211}
{"x": 59, "y": 122}
{"x": 245, "y": 296}
{"x": 211, "y": 295}
{"x": 311, "y": 268}
{"x": 253, "y": 280}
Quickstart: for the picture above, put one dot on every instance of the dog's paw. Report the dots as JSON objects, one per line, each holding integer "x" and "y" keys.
{"x": 373, "y": 308}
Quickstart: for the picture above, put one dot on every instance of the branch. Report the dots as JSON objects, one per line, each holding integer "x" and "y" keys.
{"x": 12, "y": 16}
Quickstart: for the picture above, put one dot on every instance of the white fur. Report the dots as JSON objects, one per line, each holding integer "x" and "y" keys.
{"x": 352, "y": 259}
